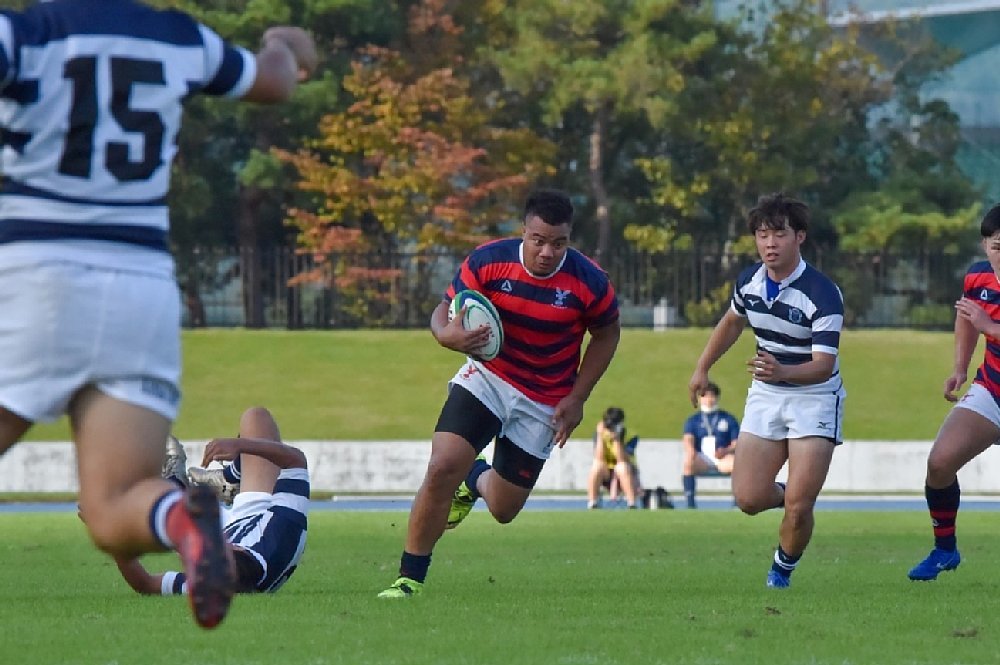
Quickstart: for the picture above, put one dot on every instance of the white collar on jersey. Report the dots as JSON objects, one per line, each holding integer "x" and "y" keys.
{"x": 799, "y": 269}
{"x": 520, "y": 255}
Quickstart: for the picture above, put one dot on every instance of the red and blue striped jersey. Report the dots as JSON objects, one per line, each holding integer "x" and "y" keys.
{"x": 544, "y": 319}
{"x": 981, "y": 285}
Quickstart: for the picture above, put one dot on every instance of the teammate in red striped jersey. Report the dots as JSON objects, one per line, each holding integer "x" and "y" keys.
{"x": 530, "y": 397}
{"x": 973, "y": 425}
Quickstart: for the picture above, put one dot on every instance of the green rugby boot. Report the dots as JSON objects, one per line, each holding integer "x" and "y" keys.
{"x": 464, "y": 499}
{"x": 403, "y": 587}
{"x": 461, "y": 505}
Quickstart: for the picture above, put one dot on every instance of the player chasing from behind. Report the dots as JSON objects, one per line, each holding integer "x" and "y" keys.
{"x": 91, "y": 105}
{"x": 973, "y": 424}
{"x": 530, "y": 397}
{"x": 267, "y": 524}
{"x": 795, "y": 403}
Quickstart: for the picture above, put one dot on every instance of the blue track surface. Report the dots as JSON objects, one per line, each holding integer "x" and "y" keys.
{"x": 402, "y": 504}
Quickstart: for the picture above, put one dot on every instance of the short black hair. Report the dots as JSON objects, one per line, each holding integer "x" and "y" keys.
{"x": 613, "y": 417}
{"x": 712, "y": 388}
{"x": 550, "y": 205}
{"x": 991, "y": 222}
{"x": 778, "y": 211}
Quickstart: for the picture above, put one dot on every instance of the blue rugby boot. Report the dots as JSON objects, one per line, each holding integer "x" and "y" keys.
{"x": 776, "y": 580}
{"x": 936, "y": 562}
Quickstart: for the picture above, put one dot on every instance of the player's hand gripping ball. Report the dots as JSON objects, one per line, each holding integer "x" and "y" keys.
{"x": 479, "y": 311}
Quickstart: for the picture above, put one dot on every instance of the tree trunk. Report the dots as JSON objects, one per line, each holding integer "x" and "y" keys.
{"x": 602, "y": 212}
{"x": 250, "y": 199}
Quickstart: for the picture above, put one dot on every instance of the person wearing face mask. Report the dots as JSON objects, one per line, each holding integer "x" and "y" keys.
{"x": 709, "y": 441}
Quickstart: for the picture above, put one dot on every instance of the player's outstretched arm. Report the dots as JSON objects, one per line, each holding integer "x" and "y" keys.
{"x": 724, "y": 335}
{"x": 281, "y": 455}
{"x": 287, "y": 56}
{"x": 137, "y": 577}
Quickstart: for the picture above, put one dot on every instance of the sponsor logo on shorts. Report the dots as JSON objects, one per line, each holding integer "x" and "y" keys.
{"x": 822, "y": 425}
{"x": 161, "y": 390}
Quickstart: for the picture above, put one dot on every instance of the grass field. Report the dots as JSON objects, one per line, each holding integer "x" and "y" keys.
{"x": 388, "y": 385}
{"x": 565, "y": 588}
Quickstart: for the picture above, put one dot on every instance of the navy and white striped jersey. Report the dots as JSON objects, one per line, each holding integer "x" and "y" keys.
{"x": 91, "y": 95}
{"x": 273, "y": 527}
{"x": 805, "y": 317}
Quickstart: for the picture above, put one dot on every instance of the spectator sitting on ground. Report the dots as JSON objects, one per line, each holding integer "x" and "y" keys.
{"x": 613, "y": 459}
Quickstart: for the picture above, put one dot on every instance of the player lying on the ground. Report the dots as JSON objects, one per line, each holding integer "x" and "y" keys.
{"x": 267, "y": 523}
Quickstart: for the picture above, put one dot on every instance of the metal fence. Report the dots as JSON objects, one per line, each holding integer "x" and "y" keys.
{"x": 266, "y": 288}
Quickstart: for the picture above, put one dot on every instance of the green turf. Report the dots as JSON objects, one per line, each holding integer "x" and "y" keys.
{"x": 387, "y": 385}
{"x": 556, "y": 588}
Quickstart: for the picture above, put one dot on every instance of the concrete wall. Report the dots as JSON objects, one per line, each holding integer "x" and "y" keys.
{"x": 398, "y": 466}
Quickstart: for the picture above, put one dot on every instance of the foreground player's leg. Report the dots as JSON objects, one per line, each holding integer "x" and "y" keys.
{"x": 963, "y": 435}
{"x": 451, "y": 458}
{"x": 130, "y": 510}
{"x": 12, "y": 428}
{"x": 943, "y": 507}
{"x": 467, "y": 493}
{"x": 808, "y": 464}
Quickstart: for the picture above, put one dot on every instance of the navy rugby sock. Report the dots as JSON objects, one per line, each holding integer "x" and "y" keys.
{"x": 479, "y": 467}
{"x": 784, "y": 563}
{"x": 943, "y": 506}
{"x": 414, "y": 566}
{"x": 233, "y": 471}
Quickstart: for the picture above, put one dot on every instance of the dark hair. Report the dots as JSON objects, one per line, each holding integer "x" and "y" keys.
{"x": 991, "y": 222}
{"x": 248, "y": 571}
{"x": 613, "y": 417}
{"x": 777, "y": 211}
{"x": 712, "y": 388}
{"x": 550, "y": 205}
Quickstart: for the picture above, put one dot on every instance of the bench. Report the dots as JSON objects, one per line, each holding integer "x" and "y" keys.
{"x": 714, "y": 481}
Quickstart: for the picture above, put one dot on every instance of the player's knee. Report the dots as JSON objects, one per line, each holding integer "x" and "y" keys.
{"x": 445, "y": 472}
{"x": 505, "y": 514}
{"x": 798, "y": 515}
{"x": 258, "y": 422}
{"x": 939, "y": 468}
{"x": 751, "y": 505}
{"x": 104, "y": 533}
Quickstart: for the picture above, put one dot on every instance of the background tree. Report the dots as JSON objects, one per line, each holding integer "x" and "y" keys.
{"x": 228, "y": 189}
{"x": 413, "y": 162}
{"x": 596, "y": 68}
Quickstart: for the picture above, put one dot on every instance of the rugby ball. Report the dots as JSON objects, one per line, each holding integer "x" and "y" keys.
{"x": 479, "y": 311}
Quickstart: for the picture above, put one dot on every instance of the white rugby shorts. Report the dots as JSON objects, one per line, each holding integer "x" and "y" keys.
{"x": 785, "y": 413}
{"x": 979, "y": 400}
{"x": 527, "y": 423}
{"x": 66, "y": 325}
